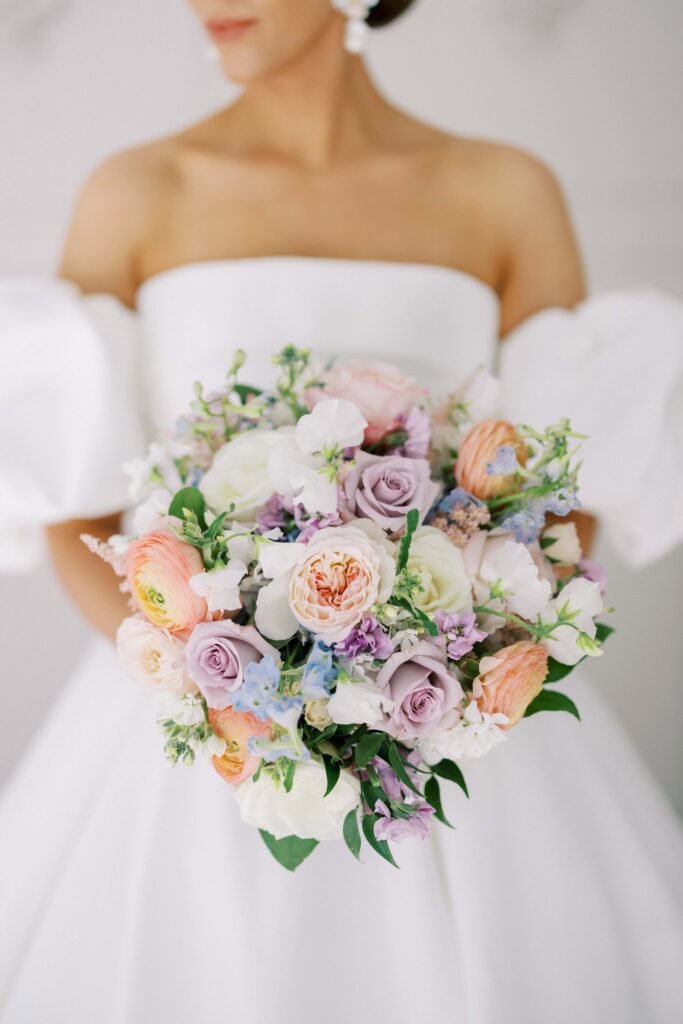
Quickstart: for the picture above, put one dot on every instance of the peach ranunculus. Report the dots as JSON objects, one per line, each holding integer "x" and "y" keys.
{"x": 510, "y": 679}
{"x": 377, "y": 389}
{"x": 236, "y": 728}
{"x": 158, "y": 568}
{"x": 478, "y": 449}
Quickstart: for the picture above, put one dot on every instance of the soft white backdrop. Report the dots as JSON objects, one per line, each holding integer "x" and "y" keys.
{"x": 593, "y": 86}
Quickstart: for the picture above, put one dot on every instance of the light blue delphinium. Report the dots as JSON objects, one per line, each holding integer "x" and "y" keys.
{"x": 320, "y": 671}
{"x": 563, "y": 501}
{"x": 260, "y": 694}
{"x": 504, "y": 462}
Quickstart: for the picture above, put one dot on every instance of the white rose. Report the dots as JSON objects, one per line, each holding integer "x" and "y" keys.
{"x": 359, "y": 702}
{"x": 150, "y": 657}
{"x": 239, "y": 474}
{"x": 566, "y": 548}
{"x": 441, "y": 569}
{"x": 582, "y": 598}
{"x": 305, "y": 811}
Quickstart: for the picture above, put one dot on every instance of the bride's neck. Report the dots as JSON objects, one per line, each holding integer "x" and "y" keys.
{"x": 321, "y": 107}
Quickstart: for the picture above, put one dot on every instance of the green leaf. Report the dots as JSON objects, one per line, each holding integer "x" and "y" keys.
{"x": 191, "y": 499}
{"x": 557, "y": 671}
{"x": 603, "y": 631}
{"x": 551, "y": 700}
{"x": 332, "y": 772}
{"x": 368, "y": 747}
{"x": 352, "y": 738}
{"x": 398, "y": 766}
{"x": 412, "y": 523}
{"x": 316, "y": 739}
{"x": 433, "y": 797}
{"x": 380, "y": 846}
{"x": 449, "y": 770}
{"x": 371, "y": 794}
{"x": 246, "y": 391}
{"x": 351, "y": 832}
{"x": 215, "y": 526}
{"x": 291, "y": 851}
{"x": 418, "y": 614}
{"x": 288, "y": 780}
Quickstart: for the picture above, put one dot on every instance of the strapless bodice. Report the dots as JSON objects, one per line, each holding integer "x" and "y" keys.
{"x": 435, "y": 323}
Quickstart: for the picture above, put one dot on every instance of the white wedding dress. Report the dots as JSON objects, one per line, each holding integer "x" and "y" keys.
{"x": 131, "y": 893}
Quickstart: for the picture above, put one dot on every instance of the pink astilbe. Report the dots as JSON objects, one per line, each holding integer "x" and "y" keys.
{"x": 106, "y": 552}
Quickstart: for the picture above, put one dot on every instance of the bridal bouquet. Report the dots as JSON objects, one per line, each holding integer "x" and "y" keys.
{"x": 341, "y": 589}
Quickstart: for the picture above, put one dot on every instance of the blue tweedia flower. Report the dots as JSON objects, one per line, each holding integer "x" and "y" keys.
{"x": 260, "y": 694}
{"x": 320, "y": 672}
{"x": 563, "y": 501}
{"x": 504, "y": 463}
{"x": 458, "y": 496}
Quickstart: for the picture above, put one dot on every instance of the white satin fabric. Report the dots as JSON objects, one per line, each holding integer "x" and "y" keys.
{"x": 130, "y": 893}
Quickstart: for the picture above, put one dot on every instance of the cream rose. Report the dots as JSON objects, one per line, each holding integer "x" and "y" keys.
{"x": 441, "y": 569}
{"x": 305, "y": 811}
{"x": 239, "y": 474}
{"x": 151, "y": 656}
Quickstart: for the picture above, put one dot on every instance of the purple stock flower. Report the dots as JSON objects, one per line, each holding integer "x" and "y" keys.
{"x": 368, "y": 637}
{"x": 396, "y": 829}
{"x": 594, "y": 572}
{"x": 274, "y": 515}
{"x": 460, "y": 631}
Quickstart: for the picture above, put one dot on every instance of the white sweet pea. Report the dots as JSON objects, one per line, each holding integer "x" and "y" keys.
{"x": 221, "y": 587}
{"x": 566, "y": 548}
{"x": 582, "y": 600}
{"x": 156, "y": 505}
{"x": 506, "y": 576}
{"x": 358, "y": 702}
{"x": 472, "y": 735}
{"x": 334, "y": 423}
{"x": 305, "y": 476}
{"x": 241, "y": 546}
{"x": 305, "y": 811}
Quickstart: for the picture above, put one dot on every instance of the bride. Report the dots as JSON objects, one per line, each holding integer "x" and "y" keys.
{"x": 313, "y": 210}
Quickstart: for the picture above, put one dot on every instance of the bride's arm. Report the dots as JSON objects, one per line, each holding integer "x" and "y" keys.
{"x": 99, "y": 256}
{"x": 540, "y": 260}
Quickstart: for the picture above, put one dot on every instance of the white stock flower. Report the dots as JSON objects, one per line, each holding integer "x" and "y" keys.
{"x": 497, "y": 563}
{"x": 334, "y": 423}
{"x": 221, "y": 587}
{"x": 155, "y": 469}
{"x": 566, "y": 548}
{"x": 305, "y": 811}
{"x": 359, "y": 702}
{"x": 239, "y": 474}
{"x": 155, "y": 505}
{"x": 186, "y": 710}
{"x": 582, "y": 599}
{"x": 440, "y": 567}
{"x": 472, "y": 735}
{"x": 151, "y": 657}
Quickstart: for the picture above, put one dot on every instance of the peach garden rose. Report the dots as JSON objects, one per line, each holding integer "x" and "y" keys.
{"x": 159, "y": 567}
{"x": 510, "y": 679}
{"x": 478, "y": 449}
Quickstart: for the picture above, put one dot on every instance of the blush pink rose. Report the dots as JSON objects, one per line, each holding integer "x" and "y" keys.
{"x": 158, "y": 568}
{"x": 509, "y": 681}
{"x": 423, "y": 690}
{"x": 379, "y": 390}
{"x": 479, "y": 447}
{"x": 237, "y": 764}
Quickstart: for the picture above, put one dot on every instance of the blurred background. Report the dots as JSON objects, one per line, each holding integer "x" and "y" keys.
{"x": 592, "y": 86}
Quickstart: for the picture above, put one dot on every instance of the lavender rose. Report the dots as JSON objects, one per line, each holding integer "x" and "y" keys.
{"x": 217, "y": 654}
{"x": 385, "y": 488}
{"x": 423, "y": 689}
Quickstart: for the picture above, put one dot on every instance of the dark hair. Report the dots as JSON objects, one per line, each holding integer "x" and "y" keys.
{"x": 386, "y": 11}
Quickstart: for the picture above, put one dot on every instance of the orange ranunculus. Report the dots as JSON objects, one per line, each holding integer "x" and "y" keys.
{"x": 510, "y": 679}
{"x": 158, "y": 568}
{"x": 237, "y": 764}
{"x": 478, "y": 449}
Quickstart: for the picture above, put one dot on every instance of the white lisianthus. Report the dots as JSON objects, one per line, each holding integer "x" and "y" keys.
{"x": 565, "y": 548}
{"x": 334, "y": 423}
{"x": 327, "y": 585}
{"x": 220, "y": 588}
{"x": 359, "y": 702}
{"x": 440, "y": 567}
{"x": 472, "y": 735}
{"x": 305, "y": 811}
{"x": 581, "y": 599}
{"x": 505, "y": 575}
{"x": 239, "y": 474}
{"x": 155, "y": 505}
{"x": 151, "y": 656}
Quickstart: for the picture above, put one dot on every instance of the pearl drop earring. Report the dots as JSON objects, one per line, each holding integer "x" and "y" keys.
{"x": 357, "y": 28}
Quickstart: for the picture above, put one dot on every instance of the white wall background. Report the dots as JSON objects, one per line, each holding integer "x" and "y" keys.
{"x": 593, "y": 86}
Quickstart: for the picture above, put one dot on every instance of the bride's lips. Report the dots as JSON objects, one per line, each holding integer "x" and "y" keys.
{"x": 226, "y": 30}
